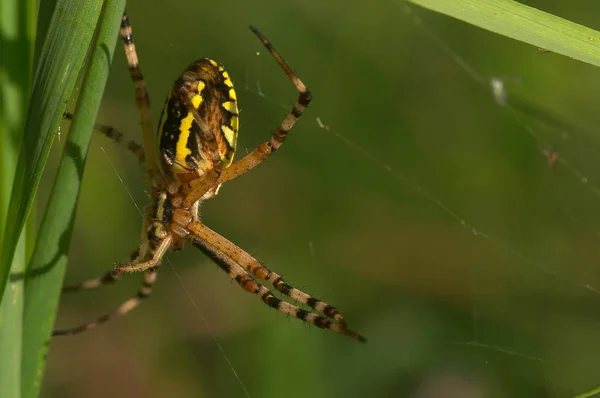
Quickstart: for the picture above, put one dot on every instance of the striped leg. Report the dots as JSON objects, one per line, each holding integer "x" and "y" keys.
{"x": 249, "y": 284}
{"x": 143, "y": 293}
{"x": 107, "y": 279}
{"x": 116, "y": 136}
{"x": 155, "y": 261}
{"x": 136, "y": 257}
{"x": 253, "y": 266}
{"x": 239, "y": 265}
{"x": 141, "y": 97}
{"x": 136, "y": 263}
{"x": 261, "y": 153}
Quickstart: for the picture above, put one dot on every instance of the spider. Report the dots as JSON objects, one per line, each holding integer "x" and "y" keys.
{"x": 196, "y": 137}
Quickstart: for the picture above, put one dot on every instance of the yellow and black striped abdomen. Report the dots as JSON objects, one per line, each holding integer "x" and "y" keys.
{"x": 199, "y": 123}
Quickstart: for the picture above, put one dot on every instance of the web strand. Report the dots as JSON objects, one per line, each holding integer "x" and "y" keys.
{"x": 494, "y": 82}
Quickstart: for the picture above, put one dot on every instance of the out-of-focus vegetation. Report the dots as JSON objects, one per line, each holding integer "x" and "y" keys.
{"x": 424, "y": 207}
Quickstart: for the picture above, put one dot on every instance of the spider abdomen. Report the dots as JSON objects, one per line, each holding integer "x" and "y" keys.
{"x": 199, "y": 123}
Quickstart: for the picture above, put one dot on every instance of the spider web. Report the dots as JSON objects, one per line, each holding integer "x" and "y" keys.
{"x": 546, "y": 132}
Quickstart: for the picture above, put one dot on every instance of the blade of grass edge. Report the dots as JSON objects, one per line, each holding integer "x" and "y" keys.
{"x": 48, "y": 262}
{"x": 17, "y": 32}
{"x": 590, "y": 393}
{"x": 60, "y": 60}
{"x": 11, "y": 330}
{"x": 527, "y": 24}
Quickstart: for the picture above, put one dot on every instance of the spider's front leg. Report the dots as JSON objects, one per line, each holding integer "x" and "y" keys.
{"x": 157, "y": 236}
{"x": 143, "y": 292}
{"x": 154, "y": 262}
{"x": 265, "y": 150}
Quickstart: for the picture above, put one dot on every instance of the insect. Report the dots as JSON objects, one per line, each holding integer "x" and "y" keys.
{"x": 196, "y": 143}
{"x": 551, "y": 154}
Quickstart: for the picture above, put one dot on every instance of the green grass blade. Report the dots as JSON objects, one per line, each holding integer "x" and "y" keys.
{"x": 11, "y": 329}
{"x": 56, "y": 72}
{"x": 524, "y": 23}
{"x": 17, "y": 22}
{"x": 16, "y": 35}
{"x": 48, "y": 262}
{"x": 590, "y": 393}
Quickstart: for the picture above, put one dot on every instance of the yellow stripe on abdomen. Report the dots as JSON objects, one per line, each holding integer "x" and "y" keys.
{"x": 182, "y": 150}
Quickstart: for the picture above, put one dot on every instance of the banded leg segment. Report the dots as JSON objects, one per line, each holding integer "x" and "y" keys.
{"x": 106, "y": 279}
{"x": 116, "y": 136}
{"x": 225, "y": 252}
{"x": 155, "y": 261}
{"x": 143, "y": 293}
{"x": 248, "y": 283}
{"x": 142, "y": 98}
{"x": 265, "y": 150}
{"x": 253, "y": 266}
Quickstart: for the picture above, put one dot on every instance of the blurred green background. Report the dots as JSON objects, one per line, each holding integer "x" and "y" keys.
{"x": 425, "y": 211}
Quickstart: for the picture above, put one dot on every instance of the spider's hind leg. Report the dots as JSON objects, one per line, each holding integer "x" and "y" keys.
{"x": 144, "y": 291}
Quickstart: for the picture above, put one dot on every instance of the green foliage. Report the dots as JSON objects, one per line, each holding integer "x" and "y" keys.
{"x": 527, "y": 24}
{"x": 27, "y": 320}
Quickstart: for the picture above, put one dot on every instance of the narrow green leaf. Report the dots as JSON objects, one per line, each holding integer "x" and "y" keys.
{"x": 17, "y": 22}
{"x": 47, "y": 266}
{"x": 11, "y": 330}
{"x": 524, "y": 23}
{"x": 590, "y": 393}
{"x": 56, "y": 72}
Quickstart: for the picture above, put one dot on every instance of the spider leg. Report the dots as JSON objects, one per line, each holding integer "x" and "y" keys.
{"x": 154, "y": 262}
{"x": 106, "y": 279}
{"x": 249, "y": 284}
{"x": 142, "y": 98}
{"x": 136, "y": 257}
{"x": 144, "y": 291}
{"x": 261, "y": 153}
{"x": 239, "y": 265}
{"x": 135, "y": 264}
{"x": 253, "y": 266}
{"x": 116, "y": 136}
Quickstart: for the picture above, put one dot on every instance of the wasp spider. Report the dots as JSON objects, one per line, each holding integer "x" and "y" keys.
{"x": 197, "y": 137}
